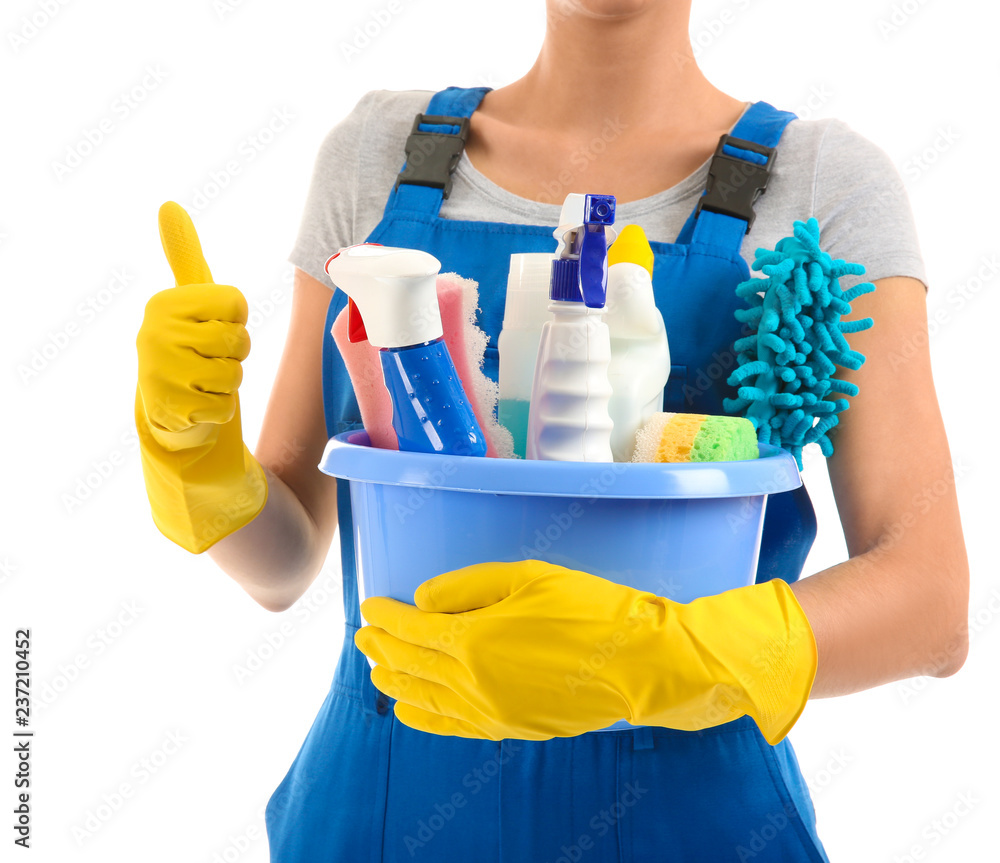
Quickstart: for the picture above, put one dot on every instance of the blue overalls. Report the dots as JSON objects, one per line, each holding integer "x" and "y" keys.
{"x": 366, "y": 788}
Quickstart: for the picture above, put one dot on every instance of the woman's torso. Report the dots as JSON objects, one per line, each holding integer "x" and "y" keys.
{"x": 365, "y": 786}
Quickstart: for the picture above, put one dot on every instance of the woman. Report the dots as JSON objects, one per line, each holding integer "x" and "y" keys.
{"x": 614, "y": 104}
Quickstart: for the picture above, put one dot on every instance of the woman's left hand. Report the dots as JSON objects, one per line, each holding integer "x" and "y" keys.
{"x": 533, "y": 650}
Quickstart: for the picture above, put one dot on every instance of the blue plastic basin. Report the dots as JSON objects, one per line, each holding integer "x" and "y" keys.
{"x": 676, "y": 530}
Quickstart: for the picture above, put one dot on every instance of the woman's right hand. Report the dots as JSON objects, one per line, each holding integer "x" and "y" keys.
{"x": 191, "y": 344}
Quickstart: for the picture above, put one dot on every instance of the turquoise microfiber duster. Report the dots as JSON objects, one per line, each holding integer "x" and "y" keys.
{"x": 785, "y": 369}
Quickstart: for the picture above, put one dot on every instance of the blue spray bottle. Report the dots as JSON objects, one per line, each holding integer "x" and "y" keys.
{"x": 394, "y": 305}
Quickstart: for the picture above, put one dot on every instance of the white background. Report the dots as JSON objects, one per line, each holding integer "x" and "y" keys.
{"x": 78, "y": 547}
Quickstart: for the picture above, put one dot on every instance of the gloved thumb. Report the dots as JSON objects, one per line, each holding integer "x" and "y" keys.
{"x": 476, "y": 586}
{"x": 182, "y": 246}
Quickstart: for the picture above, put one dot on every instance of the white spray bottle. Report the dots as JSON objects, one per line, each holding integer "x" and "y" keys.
{"x": 640, "y": 355}
{"x": 568, "y": 418}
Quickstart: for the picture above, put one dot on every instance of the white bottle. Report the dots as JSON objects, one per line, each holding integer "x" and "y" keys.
{"x": 640, "y": 355}
{"x": 568, "y": 418}
{"x": 525, "y": 311}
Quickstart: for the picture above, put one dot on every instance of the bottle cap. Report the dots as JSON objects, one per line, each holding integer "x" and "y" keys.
{"x": 632, "y": 247}
{"x": 394, "y": 290}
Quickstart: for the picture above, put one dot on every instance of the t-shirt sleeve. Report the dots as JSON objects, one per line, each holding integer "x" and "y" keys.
{"x": 863, "y": 209}
{"x": 327, "y": 222}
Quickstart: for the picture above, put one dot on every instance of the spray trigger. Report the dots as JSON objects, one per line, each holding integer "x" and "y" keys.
{"x": 355, "y": 325}
{"x": 591, "y": 244}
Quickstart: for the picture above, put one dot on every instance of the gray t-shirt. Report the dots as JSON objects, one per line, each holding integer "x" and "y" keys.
{"x": 823, "y": 168}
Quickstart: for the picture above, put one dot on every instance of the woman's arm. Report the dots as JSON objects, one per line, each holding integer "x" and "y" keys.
{"x": 899, "y": 606}
{"x": 277, "y": 555}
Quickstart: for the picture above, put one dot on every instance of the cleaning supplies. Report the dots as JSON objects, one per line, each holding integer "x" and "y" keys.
{"x": 640, "y": 355}
{"x": 202, "y": 481}
{"x": 393, "y": 304}
{"x": 526, "y": 309}
{"x": 458, "y": 299}
{"x": 568, "y": 418}
{"x": 673, "y": 437}
{"x": 785, "y": 367}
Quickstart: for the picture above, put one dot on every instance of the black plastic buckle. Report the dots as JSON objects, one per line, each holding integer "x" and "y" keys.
{"x": 734, "y": 184}
{"x": 431, "y": 157}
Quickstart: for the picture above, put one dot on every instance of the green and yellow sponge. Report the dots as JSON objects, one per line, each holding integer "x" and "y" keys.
{"x": 672, "y": 437}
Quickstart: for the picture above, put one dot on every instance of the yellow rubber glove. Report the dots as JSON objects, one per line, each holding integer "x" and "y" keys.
{"x": 532, "y": 650}
{"x": 202, "y": 481}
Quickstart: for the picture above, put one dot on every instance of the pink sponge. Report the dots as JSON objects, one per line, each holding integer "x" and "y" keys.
{"x": 458, "y": 299}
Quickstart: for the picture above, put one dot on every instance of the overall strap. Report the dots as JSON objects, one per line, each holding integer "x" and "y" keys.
{"x": 433, "y": 149}
{"x": 737, "y": 176}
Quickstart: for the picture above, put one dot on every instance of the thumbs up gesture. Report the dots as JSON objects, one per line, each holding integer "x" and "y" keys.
{"x": 191, "y": 343}
{"x": 202, "y": 481}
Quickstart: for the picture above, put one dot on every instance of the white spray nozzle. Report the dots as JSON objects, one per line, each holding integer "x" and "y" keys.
{"x": 393, "y": 289}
